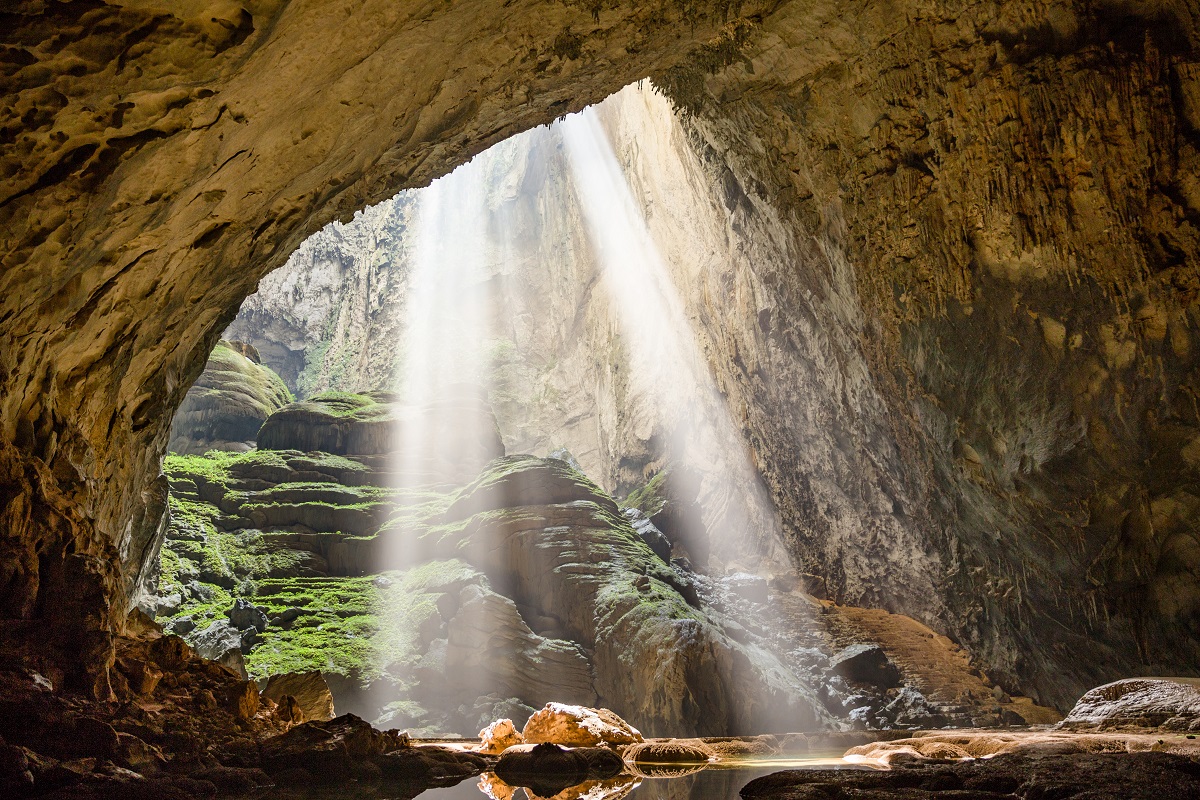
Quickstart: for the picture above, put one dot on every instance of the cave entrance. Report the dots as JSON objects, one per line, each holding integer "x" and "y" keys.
{"x": 466, "y": 454}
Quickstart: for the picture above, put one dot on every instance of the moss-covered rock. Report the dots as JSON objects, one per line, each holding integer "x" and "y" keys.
{"x": 228, "y": 403}
{"x": 431, "y": 606}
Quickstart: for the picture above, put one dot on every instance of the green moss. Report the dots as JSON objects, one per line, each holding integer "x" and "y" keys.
{"x": 228, "y": 369}
{"x": 366, "y": 627}
{"x": 651, "y": 498}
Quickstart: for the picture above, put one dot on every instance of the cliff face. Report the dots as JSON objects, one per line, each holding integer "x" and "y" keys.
{"x": 966, "y": 317}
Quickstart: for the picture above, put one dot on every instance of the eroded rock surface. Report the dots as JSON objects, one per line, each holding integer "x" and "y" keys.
{"x": 1139, "y": 703}
{"x": 228, "y": 403}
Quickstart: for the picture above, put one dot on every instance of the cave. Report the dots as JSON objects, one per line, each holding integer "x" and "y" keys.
{"x": 933, "y": 271}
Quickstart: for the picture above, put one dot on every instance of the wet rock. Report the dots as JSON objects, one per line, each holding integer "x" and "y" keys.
{"x": 649, "y": 533}
{"x": 749, "y": 587}
{"x": 244, "y": 615}
{"x": 578, "y": 726}
{"x": 1114, "y": 775}
{"x": 742, "y": 747}
{"x": 499, "y": 736}
{"x": 327, "y": 750}
{"x": 548, "y": 769}
{"x": 667, "y": 752}
{"x": 308, "y": 688}
{"x": 1139, "y": 702}
{"x": 431, "y": 765}
{"x": 234, "y": 780}
{"x": 865, "y": 663}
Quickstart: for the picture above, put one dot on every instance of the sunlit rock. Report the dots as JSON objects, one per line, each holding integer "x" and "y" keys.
{"x": 499, "y": 736}
{"x": 668, "y": 752}
{"x": 578, "y": 726}
{"x": 309, "y": 689}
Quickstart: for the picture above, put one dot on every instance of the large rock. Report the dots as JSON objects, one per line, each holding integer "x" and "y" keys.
{"x": 308, "y": 688}
{"x": 577, "y": 726}
{"x": 547, "y": 769}
{"x": 1172, "y": 704}
{"x": 245, "y": 615}
{"x": 866, "y": 663}
{"x": 328, "y": 750}
{"x": 499, "y": 736}
{"x": 228, "y": 403}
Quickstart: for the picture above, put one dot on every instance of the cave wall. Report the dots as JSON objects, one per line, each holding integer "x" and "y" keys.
{"x": 993, "y": 202}
{"x": 1011, "y": 187}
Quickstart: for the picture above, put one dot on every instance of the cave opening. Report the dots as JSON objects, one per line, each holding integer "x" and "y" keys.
{"x": 942, "y": 274}
{"x": 465, "y": 455}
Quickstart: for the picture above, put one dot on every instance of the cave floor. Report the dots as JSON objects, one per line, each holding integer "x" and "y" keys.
{"x": 178, "y": 726}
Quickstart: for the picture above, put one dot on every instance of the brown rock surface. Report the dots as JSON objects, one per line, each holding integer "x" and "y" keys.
{"x": 309, "y": 689}
{"x": 499, "y": 736}
{"x": 578, "y": 726}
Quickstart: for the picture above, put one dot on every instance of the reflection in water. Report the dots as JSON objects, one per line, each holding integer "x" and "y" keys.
{"x": 718, "y": 781}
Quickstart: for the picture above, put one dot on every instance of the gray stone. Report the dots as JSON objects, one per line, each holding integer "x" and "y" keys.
{"x": 244, "y": 615}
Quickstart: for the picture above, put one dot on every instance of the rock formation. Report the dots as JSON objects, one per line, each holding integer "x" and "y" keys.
{"x": 228, "y": 403}
{"x": 973, "y": 276}
{"x": 440, "y": 604}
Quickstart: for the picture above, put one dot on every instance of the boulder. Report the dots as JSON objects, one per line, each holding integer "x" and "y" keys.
{"x": 866, "y": 663}
{"x": 578, "y": 726}
{"x": 668, "y": 752}
{"x": 243, "y": 700}
{"x": 220, "y": 642}
{"x": 547, "y": 769}
{"x": 1171, "y": 703}
{"x": 288, "y": 710}
{"x": 244, "y": 615}
{"x": 308, "y": 688}
{"x": 328, "y": 751}
{"x": 143, "y": 677}
{"x": 431, "y": 765}
{"x": 499, "y": 736}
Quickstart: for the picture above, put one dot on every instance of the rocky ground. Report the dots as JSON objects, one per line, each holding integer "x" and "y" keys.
{"x": 180, "y": 726}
